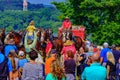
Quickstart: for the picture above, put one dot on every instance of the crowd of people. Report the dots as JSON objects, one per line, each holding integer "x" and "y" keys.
{"x": 88, "y": 63}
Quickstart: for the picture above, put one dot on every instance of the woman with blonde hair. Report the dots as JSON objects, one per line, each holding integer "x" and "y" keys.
{"x": 111, "y": 67}
{"x": 56, "y": 72}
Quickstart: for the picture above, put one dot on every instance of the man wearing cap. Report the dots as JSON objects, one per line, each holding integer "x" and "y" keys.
{"x": 103, "y": 54}
{"x": 66, "y": 25}
{"x": 53, "y": 54}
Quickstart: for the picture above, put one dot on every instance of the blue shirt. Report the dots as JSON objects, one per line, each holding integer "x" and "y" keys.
{"x": 51, "y": 77}
{"x": 104, "y": 54}
{"x": 2, "y": 57}
{"x": 21, "y": 63}
{"x": 94, "y": 72}
{"x": 8, "y": 48}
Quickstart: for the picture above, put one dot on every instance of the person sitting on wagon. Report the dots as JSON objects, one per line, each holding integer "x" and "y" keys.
{"x": 66, "y": 25}
{"x": 30, "y": 30}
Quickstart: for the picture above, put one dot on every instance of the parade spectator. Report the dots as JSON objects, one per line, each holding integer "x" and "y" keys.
{"x": 103, "y": 54}
{"x": 111, "y": 67}
{"x": 95, "y": 71}
{"x": 14, "y": 61}
{"x": 10, "y": 45}
{"x": 48, "y": 61}
{"x": 22, "y": 60}
{"x": 81, "y": 57}
{"x": 118, "y": 69}
{"x": 32, "y": 70}
{"x": 68, "y": 45}
{"x": 66, "y": 25}
{"x": 48, "y": 47}
{"x": 70, "y": 66}
{"x": 116, "y": 53}
{"x": 56, "y": 72}
{"x": 5, "y": 66}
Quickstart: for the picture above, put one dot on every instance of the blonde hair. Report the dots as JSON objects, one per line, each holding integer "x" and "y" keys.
{"x": 110, "y": 57}
{"x": 56, "y": 70}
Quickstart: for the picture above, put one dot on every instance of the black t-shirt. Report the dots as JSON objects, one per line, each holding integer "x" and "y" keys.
{"x": 84, "y": 58}
{"x": 112, "y": 66}
{"x": 70, "y": 66}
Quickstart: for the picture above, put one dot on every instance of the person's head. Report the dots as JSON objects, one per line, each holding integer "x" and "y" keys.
{"x": 70, "y": 54}
{"x": 21, "y": 54}
{"x": 31, "y": 23}
{"x": 110, "y": 57}
{"x": 90, "y": 49}
{"x": 81, "y": 50}
{"x": 53, "y": 53}
{"x": 33, "y": 55}
{"x": 105, "y": 45}
{"x": 95, "y": 57}
{"x": 113, "y": 47}
{"x": 66, "y": 18}
{"x": 56, "y": 70}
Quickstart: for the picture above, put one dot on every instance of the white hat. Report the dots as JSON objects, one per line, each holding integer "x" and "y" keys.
{"x": 21, "y": 53}
{"x": 105, "y": 44}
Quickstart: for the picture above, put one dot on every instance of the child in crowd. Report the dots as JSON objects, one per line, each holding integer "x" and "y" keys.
{"x": 22, "y": 60}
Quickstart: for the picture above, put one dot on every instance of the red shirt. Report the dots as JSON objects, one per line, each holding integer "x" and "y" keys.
{"x": 66, "y": 24}
{"x": 67, "y": 48}
{"x": 48, "y": 47}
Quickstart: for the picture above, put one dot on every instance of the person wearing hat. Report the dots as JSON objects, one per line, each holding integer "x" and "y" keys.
{"x": 66, "y": 25}
{"x": 30, "y": 29}
{"x": 103, "y": 54}
{"x": 68, "y": 45}
{"x": 48, "y": 61}
{"x": 22, "y": 60}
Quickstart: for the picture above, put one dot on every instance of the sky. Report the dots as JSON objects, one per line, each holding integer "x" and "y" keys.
{"x": 46, "y": 2}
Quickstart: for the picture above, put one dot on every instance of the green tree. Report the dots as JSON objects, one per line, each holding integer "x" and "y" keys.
{"x": 101, "y": 17}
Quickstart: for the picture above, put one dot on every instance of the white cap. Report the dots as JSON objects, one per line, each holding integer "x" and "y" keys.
{"x": 21, "y": 53}
{"x": 105, "y": 44}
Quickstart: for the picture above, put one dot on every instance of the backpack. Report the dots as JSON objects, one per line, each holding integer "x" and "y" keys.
{"x": 4, "y": 68}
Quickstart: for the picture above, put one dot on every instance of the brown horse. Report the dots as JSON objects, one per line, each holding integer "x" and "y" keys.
{"x": 78, "y": 42}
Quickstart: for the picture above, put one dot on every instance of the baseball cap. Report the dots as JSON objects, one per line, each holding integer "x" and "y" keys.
{"x": 53, "y": 51}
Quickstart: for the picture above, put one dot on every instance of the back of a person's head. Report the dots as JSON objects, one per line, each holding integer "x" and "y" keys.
{"x": 33, "y": 55}
{"x": 110, "y": 57}
{"x": 56, "y": 70}
{"x": 95, "y": 57}
{"x": 70, "y": 54}
{"x": 105, "y": 45}
{"x": 90, "y": 49}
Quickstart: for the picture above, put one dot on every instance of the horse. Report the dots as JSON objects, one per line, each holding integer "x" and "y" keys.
{"x": 41, "y": 42}
{"x": 2, "y": 36}
{"x": 78, "y": 42}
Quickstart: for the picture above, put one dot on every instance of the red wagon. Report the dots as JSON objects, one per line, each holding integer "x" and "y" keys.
{"x": 76, "y": 31}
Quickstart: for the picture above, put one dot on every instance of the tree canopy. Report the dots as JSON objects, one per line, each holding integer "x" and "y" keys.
{"x": 101, "y": 18}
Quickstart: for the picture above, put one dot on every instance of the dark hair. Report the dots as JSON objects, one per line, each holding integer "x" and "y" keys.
{"x": 70, "y": 54}
{"x": 33, "y": 55}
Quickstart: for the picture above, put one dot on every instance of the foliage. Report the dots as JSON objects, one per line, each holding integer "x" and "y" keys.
{"x": 19, "y": 20}
{"x": 101, "y": 17}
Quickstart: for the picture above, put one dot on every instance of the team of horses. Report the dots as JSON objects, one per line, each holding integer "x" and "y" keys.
{"x": 40, "y": 37}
